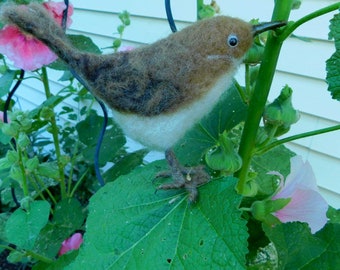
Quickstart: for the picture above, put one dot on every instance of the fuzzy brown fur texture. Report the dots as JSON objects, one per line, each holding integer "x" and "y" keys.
{"x": 156, "y": 79}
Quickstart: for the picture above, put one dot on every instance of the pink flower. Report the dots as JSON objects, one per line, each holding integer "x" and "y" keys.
{"x": 57, "y": 9}
{"x": 126, "y": 49}
{"x": 24, "y": 50}
{"x": 71, "y": 243}
{"x": 2, "y": 117}
{"x": 306, "y": 203}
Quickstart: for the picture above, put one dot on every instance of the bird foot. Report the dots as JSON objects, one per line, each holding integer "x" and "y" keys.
{"x": 183, "y": 177}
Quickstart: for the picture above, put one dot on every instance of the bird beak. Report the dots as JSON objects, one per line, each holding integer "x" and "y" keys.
{"x": 262, "y": 27}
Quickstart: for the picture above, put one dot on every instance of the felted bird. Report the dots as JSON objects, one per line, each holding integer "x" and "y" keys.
{"x": 159, "y": 91}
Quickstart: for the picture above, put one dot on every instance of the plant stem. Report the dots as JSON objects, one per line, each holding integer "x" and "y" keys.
{"x": 79, "y": 182}
{"x": 29, "y": 253}
{"x": 24, "y": 176}
{"x": 296, "y": 137}
{"x": 241, "y": 91}
{"x": 38, "y": 257}
{"x": 261, "y": 91}
{"x": 290, "y": 29}
{"x": 247, "y": 81}
{"x": 42, "y": 184}
{"x": 55, "y": 133}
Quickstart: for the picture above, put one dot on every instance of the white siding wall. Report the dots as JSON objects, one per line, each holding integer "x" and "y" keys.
{"x": 301, "y": 65}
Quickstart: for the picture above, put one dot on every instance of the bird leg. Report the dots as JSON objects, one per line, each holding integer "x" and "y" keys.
{"x": 183, "y": 177}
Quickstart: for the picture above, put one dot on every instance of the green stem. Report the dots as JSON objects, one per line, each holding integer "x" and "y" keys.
{"x": 37, "y": 190}
{"x": 42, "y": 184}
{"x": 241, "y": 91}
{"x": 23, "y": 172}
{"x": 247, "y": 81}
{"x": 55, "y": 133}
{"x": 261, "y": 91}
{"x": 29, "y": 253}
{"x": 291, "y": 28}
{"x": 34, "y": 255}
{"x": 78, "y": 183}
{"x": 266, "y": 148}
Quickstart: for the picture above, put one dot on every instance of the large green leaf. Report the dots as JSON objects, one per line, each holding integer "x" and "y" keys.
{"x": 125, "y": 165}
{"x": 68, "y": 217}
{"x": 330, "y": 237}
{"x": 297, "y": 248}
{"x": 131, "y": 227}
{"x": 262, "y": 164}
{"x": 228, "y": 112}
{"x": 333, "y": 63}
{"x": 6, "y": 81}
{"x": 24, "y": 226}
{"x": 89, "y": 132}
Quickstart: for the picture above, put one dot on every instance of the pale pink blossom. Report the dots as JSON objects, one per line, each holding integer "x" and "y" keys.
{"x": 24, "y": 50}
{"x": 126, "y": 49}
{"x": 1, "y": 116}
{"x": 306, "y": 203}
{"x": 71, "y": 243}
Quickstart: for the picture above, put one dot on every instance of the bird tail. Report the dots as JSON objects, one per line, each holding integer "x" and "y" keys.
{"x": 35, "y": 20}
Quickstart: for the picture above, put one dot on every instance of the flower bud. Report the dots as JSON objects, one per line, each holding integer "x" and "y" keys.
{"x": 254, "y": 54}
{"x": 23, "y": 141}
{"x": 223, "y": 157}
{"x": 263, "y": 210}
{"x": 280, "y": 114}
{"x": 46, "y": 113}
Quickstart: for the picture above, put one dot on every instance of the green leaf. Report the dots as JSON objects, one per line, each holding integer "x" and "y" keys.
{"x": 297, "y": 248}
{"x": 49, "y": 169}
{"x": 3, "y": 219}
{"x": 89, "y": 131}
{"x": 333, "y": 63}
{"x": 333, "y": 215}
{"x": 68, "y": 217}
{"x": 50, "y": 102}
{"x": 6, "y": 81}
{"x": 228, "y": 112}
{"x": 84, "y": 43}
{"x": 69, "y": 213}
{"x": 131, "y": 227}
{"x": 330, "y": 236}
{"x": 125, "y": 165}
{"x": 60, "y": 263}
{"x": 23, "y": 227}
{"x": 262, "y": 164}
{"x": 295, "y": 244}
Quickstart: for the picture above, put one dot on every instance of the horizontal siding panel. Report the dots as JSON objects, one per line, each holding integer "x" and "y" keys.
{"x": 306, "y": 58}
{"x": 141, "y": 29}
{"x": 262, "y": 10}
{"x": 182, "y": 10}
{"x": 320, "y": 143}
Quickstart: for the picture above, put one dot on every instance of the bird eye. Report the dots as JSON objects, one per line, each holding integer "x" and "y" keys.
{"x": 232, "y": 40}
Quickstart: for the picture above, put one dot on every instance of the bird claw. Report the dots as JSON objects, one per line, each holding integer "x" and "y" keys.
{"x": 189, "y": 178}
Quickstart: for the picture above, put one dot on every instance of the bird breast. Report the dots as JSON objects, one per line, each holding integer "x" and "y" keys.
{"x": 161, "y": 132}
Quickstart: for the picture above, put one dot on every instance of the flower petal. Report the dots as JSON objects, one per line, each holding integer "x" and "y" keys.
{"x": 56, "y": 9}
{"x": 24, "y": 50}
{"x": 305, "y": 206}
{"x": 301, "y": 177}
{"x": 71, "y": 243}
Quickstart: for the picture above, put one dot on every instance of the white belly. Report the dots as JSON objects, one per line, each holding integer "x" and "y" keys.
{"x": 163, "y": 131}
